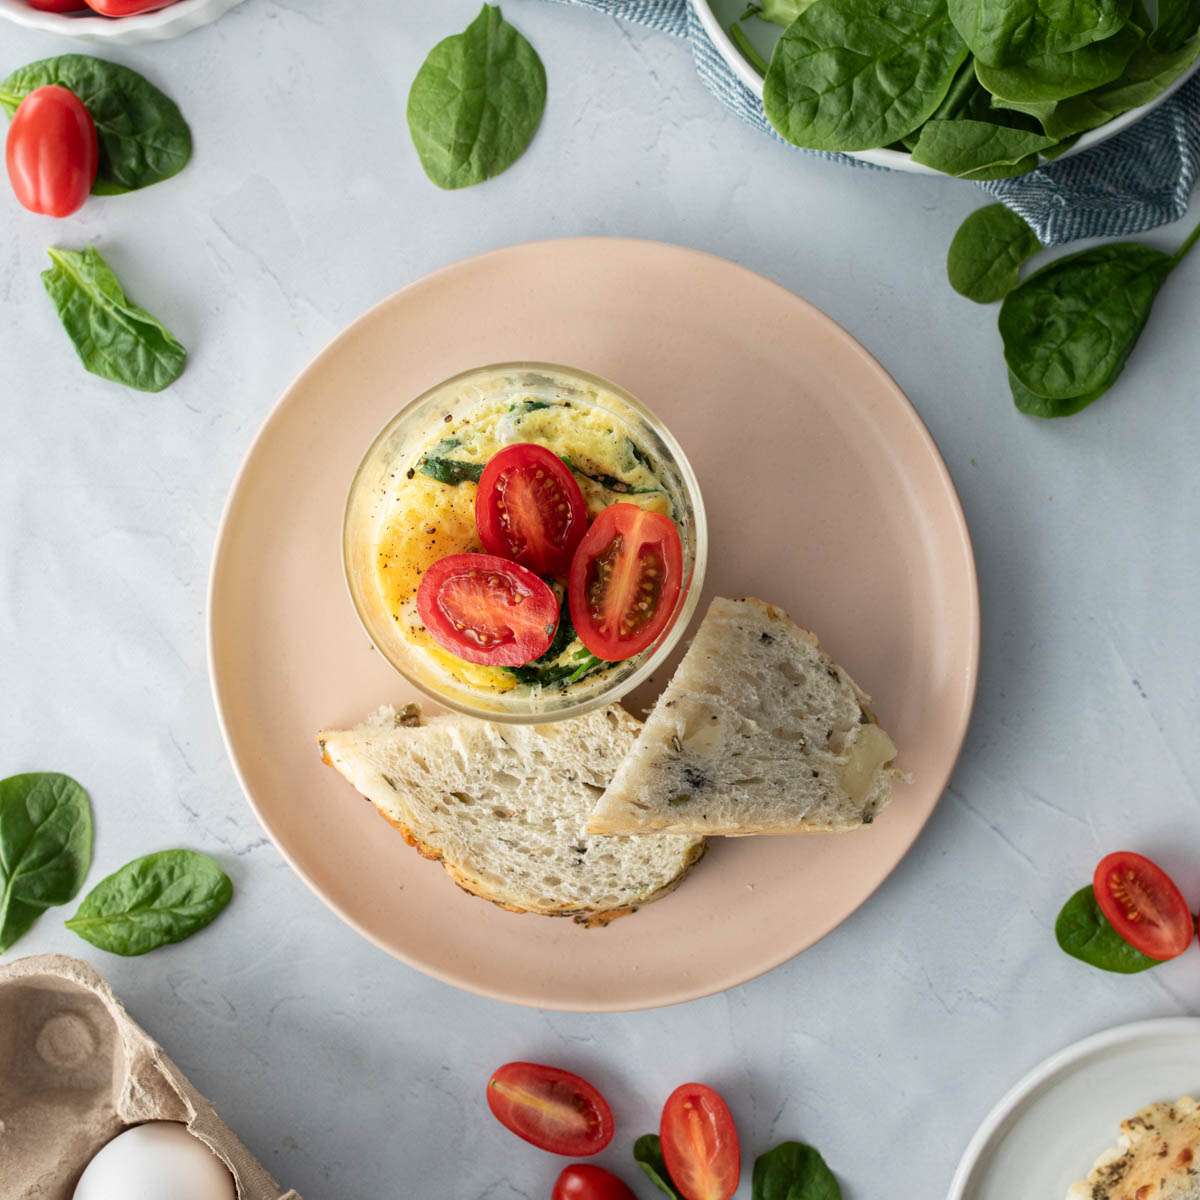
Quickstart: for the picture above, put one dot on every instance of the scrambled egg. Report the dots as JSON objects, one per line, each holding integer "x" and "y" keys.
{"x": 432, "y": 511}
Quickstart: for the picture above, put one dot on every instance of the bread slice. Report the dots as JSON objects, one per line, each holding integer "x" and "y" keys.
{"x": 758, "y": 732}
{"x": 504, "y": 808}
{"x": 1156, "y": 1158}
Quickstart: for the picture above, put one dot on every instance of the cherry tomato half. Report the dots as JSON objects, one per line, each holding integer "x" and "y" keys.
{"x": 550, "y": 1108}
{"x": 487, "y": 610}
{"x": 126, "y": 8}
{"x": 700, "y": 1143}
{"x": 625, "y": 578}
{"x": 582, "y": 1181}
{"x": 52, "y": 153}
{"x": 1143, "y": 904}
{"x": 530, "y": 509}
{"x": 58, "y": 6}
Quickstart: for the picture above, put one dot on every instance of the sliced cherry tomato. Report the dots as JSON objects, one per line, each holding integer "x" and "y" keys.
{"x": 126, "y": 8}
{"x": 625, "y": 578}
{"x": 550, "y": 1108}
{"x": 582, "y": 1181}
{"x": 58, "y": 6}
{"x": 700, "y": 1143}
{"x": 530, "y": 509}
{"x": 487, "y": 610}
{"x": 52, "y": 153}
{"x": 1143, "y": 904}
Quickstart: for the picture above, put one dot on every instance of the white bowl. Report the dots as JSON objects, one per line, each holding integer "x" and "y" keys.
{"x": 716, "y": 14}
{"x": 177, "y": 19}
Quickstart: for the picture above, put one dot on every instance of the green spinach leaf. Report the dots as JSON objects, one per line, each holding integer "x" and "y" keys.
{"x": 793, "y": 1171}
{"x": 978, "y": 149}
{"x": 115, "y": 338}
{"x": 782, "y": 12}
{"x": 153, "y": 901}
{"x": 1033, "y": 405}
{"x": 45, "y": 847}
{"x": 1178, "y": 20}
{"x": 1047, "y": 77}
{"x": 1069, "y": 329}
{"x": 143, "y": 136}
{"x": 985, "y": 257}
{"x": 1007, "y": 32}
{"x": 647, "y": 1153}
{"x": 450, "y": 470}
{"x": 1084, "y": 932}
{"x": 476, "y": 102}
{"x": 547, "y": 670}
{"x": 850, "y": 75}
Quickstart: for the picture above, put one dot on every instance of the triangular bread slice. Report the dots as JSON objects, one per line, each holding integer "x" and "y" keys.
{"x": 504, "y": 808}
{"x": 758, "y": 732}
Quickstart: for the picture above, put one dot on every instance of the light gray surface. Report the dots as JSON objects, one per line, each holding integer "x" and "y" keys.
{"x": 351, "y": 1075}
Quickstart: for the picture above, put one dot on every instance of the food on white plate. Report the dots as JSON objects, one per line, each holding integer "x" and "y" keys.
{"x": 159, "y": 1160}
{"x": 504, "y": 808}
{"x": 521, "y": 538}
{"x": 1156, "y": 1158}
{"x": 758, "y": 732}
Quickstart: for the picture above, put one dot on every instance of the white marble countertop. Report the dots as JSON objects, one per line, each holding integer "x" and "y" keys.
{"x": 349, "y": 1074}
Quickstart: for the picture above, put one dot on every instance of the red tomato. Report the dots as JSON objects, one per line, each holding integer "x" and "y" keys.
{"x": 58, "y": 6}
{"x": 625, "y": 578}
{"x": 530, "y": 509}
{"x": 552, "y": 1109}
{"x": 582, "y": 1181}
{"x": 700, "y": 1143}
{"x": 126, "y": 8}
{"x": 52, "y": 152}
{"x": 488, "y": 610}
{"x": 1143, "y": 904}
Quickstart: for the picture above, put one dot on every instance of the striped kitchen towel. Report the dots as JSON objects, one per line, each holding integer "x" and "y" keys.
{"x": 1137, "y": 180}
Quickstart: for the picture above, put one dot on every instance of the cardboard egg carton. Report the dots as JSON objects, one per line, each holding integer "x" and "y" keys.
{"x": 75, "y": 1070}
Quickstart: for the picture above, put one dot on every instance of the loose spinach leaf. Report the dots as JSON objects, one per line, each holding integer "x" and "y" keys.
{"x": 1084, "y": 932}
{"x": 115, "y": 338}
{"x": 476, "y": 102}
{"x": 1007, "y": 32}
{"x": 647, "y": 1153}
{"x": 978, "y": 149}
{"x": 45, "y": 847}
{"x": 793, "y": 1171}
{"x": 851, "y": 75}
{"x": 143, "y": 136}
{"x": 985, "y": 257}
{"x": 1033, "y": 405}
{"x": 1070, "y": 327}
{"x": 450, "y": 470}
{"x": 153, "y": 901}
{"x": 1149, "y": 73}
{"x": 1049, "y": 77}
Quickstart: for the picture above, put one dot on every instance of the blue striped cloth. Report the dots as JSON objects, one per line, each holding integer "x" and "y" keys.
{"x": 1130, "y": 183}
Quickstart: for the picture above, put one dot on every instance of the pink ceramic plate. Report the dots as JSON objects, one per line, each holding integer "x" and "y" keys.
{"x": 825, "y": 495}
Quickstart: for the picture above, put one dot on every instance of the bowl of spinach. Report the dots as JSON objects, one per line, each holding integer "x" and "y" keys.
{"x": 978, "y": 89}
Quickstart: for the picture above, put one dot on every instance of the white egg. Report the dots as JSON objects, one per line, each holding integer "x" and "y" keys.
{"x": 156, "y": 1161}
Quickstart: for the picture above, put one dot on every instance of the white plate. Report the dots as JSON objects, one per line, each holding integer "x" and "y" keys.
{"x": 179, "y": 18}
{"x": 715, "y": 16}
{"x": 1046, "y": 1133}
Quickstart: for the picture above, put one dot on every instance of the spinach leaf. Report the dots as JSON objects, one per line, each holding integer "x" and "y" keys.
{"x": 985, "y": 257}
{"x": 1006, "y": 32}
{"x": 476, "y": 102}
{"x": 1049, "y": 77}
{"x": 647, "y": 1153}
{"x": 114, "y": 337}
{"x": 1033, "y": 405}
{"x": 153, "y": 901}
{"x": 781, "y": 12}
{"x": 850, "y": 75}
{"x": 964, "y": 88}
{"x": 142, "y": 134}
{"x": 450, "y": 470}
{"x": 547, "y": 670}
{"x": 793, "y": 1171}
{"x": 45, "y": 847}
{"x": 1084, "y": 932}
{"x": 978, "y": 149}
{"x": 1149, "y": 73}
{"x": 1178, "y": 20}
{"x": 1070, "y": 327}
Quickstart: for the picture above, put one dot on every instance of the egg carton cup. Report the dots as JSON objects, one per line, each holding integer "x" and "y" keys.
{"x": 76, "y": 1070}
